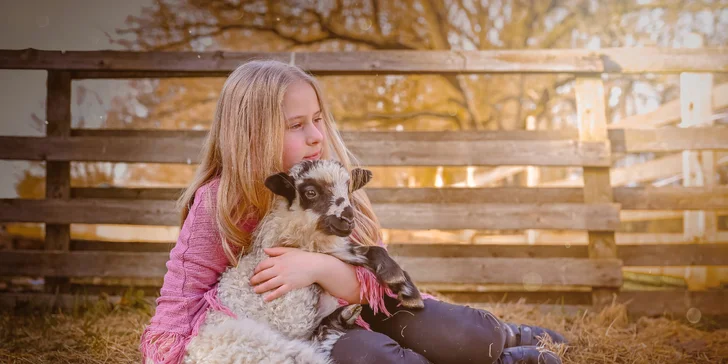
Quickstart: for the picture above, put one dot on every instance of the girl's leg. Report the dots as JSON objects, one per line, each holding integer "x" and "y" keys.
{"x": 443, "y": 333}
{"x": 359, "y": 346}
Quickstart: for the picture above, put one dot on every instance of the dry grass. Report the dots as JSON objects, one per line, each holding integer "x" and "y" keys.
{"x": 106, "y": 333}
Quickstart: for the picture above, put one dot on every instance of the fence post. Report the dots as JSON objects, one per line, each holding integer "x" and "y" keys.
{"x": 592, "y": 118}
{"x": 58, "y": 174}
{"x": 696, "y": 110}
{"x": 533, "y": 176}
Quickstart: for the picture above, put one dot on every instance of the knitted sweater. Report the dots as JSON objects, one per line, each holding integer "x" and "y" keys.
{"x": 190, "y": 284}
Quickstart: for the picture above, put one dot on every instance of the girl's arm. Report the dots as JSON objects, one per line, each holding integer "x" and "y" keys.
{"x": 339, "y": 279}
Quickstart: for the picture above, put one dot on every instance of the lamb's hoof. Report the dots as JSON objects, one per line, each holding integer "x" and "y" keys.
{"x": 412, "y": 302}
{"x": 350, "y": 313}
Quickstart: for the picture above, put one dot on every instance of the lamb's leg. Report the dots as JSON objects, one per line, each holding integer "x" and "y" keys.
{"x": 335, "y": 325}
{"x": 386, "y": 269}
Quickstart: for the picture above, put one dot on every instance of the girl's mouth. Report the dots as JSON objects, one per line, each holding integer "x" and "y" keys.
{"x": 313, "y": 156}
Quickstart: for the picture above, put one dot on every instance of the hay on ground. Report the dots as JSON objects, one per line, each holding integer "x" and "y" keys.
{"x": 109, "y": 333}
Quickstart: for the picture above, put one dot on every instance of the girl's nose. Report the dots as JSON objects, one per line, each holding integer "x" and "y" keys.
{"x": 314, "y": 135}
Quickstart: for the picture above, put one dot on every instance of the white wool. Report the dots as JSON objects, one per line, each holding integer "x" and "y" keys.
{"x": 278, "y": 331}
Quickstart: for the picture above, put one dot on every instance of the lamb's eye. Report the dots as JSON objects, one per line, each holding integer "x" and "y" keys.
{"x": 310, "y": 194}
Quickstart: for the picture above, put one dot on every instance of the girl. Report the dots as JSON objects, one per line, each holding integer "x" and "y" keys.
{"x": 271, "y": 115}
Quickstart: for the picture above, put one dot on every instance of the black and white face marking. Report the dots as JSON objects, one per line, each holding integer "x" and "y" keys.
{"x": 323, "y": 187}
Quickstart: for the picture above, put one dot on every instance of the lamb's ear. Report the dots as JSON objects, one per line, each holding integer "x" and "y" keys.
{"x": 359, "y": 178}
{"x": 282, "y": 184}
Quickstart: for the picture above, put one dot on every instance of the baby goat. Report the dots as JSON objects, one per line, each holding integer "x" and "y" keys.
{"x": 312, "y": 212}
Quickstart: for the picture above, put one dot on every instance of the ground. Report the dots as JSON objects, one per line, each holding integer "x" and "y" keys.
{"x": 109, "y": 333}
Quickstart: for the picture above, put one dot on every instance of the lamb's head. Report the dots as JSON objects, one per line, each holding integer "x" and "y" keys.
{"x": 322, "y": 189}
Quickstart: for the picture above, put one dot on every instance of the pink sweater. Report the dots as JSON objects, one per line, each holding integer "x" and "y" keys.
{"x": 190, "y": 284}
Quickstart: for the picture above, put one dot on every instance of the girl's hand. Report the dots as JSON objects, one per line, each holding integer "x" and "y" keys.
{"x": 286, "y": 269}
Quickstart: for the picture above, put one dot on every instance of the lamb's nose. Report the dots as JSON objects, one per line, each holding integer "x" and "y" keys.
{"x": 348, "y": 214}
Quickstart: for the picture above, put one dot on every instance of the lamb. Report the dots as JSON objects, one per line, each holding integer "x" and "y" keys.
{"x": 312, "y": 212}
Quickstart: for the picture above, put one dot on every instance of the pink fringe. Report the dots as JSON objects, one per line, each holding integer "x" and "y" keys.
{"x": 215, "y": 304}
{"x": 164, "y": 347}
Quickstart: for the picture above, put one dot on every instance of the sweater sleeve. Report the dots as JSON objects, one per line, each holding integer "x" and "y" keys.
{"x": 194, "y": 266}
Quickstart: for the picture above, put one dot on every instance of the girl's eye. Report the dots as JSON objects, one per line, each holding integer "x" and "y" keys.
{"x": 318, "y": 120}
{"x": 310, "y": 194}
{"x": 295, "y": 126}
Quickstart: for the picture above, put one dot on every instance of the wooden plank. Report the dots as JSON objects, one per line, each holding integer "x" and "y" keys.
{"x": 669, "y": 112}
{"x": 714, "y": 254}
{"x": 102, "y": 149}
{"x": 613, "y": 60}
{"x": 406, "y": 150}
{"x": 631, "y": 198}
{"x": 58, "y": 174}
{"x": 141, "y": 212}
{"x": 709, "y": 254}
{"x": 669, "y": 139}
{"x": 647, "y": 303}
{"x": 509, "y": 195}
{"x": 655, "y": 255}
{"x": 126, "y": 193}
{"x": 417, "y": 216}
{"x": 83, "y": 264}
{"x": 591, "y": 113}
{"x": 422, "y": 136}
{"x": 672, "y": 198}
{"x": 556, "y": 271}
{"x": 699, "y": 168}
{"x": 643, "y": 172}
{"x": 99, "y": 245}
{"x": 601, "y": 217}
{"x": 547, "y": 271}
{"x": 675, "y": 301}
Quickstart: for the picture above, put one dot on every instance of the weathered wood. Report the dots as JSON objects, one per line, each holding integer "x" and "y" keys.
{"x": 603, "y": 217}
{"x": 547, "y": 271}
{"x": 140, "y": 212}
{"x": 591, "y": 113}
{"x": 126, "y": 193}
{"x": 668, "y": 113}
{"x": 631, "y": 254}
{"x": 669, "y": 139}
{"x": 612, "y": 60}
{"x": 103, "y": 149}
{"x": 656, "y": 255}
{"x": 699, "y": 168}
{"x": 556, "y": 271}
{"x": 409, "y": 149}
{"x": 58, "y": 174}
{"x": 648, "y": 303}
{"x": 420, "y": 136}
{"x": 631, "y": 198}
{"x": 675, "y": 301}
{"x": 417, "y": 216}
{"x": 83, "y": 264}
{"x": 672, "y": 198}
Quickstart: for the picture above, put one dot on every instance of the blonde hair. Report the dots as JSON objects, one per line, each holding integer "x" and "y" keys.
{"x": 245, "y": 145}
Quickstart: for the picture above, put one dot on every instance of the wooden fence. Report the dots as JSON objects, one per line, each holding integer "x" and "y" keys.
{"x": 590, "y": 274}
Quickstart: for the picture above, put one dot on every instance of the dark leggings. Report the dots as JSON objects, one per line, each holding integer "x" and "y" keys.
{"x": 440, "y": 333}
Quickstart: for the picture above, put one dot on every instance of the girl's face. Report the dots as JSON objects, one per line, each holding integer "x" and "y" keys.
{"x": 305, "y": 133}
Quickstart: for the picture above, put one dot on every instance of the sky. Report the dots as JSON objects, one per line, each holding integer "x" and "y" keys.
{"x": 71, "y": 25}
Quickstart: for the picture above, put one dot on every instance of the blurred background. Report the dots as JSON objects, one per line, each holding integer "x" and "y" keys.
{"x": 380, "y": 102}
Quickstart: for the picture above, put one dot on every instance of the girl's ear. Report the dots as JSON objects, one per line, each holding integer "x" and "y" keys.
{"x": 359, "y": 178}
{"x": 282, "y": 184}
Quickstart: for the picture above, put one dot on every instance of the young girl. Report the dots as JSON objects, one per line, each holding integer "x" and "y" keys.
{"x": 270, "y": 116}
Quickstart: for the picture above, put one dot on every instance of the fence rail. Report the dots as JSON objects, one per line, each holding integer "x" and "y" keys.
{"x": 586, "y": 274}
{"x": 91, "y": 64}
